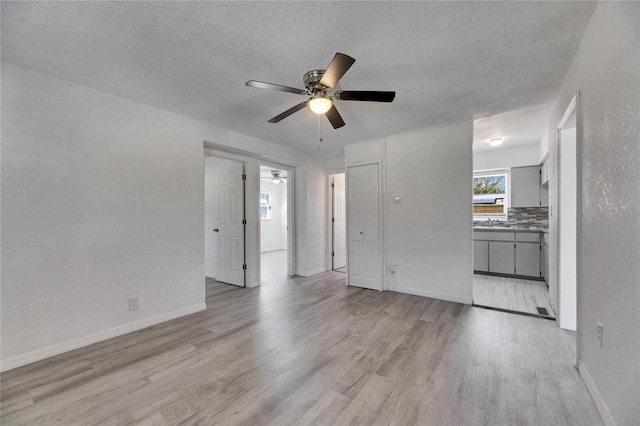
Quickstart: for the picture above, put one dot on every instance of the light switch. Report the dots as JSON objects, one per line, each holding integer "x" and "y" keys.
{"x": 397, "y": 199}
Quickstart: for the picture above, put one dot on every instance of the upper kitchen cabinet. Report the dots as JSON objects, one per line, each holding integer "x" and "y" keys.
{"x": 525, "y": 186}
{"x": 544, "y": 173}
{"x": 544, "y": 184}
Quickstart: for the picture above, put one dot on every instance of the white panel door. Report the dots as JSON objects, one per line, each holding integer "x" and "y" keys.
{"x": 339, "y": 222}
{"x": 230, "y": 229}
{"x": 364, "y": 227}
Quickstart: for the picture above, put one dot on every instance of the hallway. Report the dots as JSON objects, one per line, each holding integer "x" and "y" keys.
{"x": 274, "y": 266}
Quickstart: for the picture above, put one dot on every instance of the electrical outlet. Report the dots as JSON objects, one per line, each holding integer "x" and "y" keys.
{"x": 599, "y": 329}
{"x": 133, "y": 303}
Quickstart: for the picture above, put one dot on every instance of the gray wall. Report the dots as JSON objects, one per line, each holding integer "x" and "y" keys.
{"x": 429, "y": 244}
{"x": 606, "y": 72}
{"x": 430, "y": 232}
{"x": 103, "y": 199}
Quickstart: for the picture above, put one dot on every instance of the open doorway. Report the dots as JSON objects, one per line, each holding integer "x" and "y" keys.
{"x": 338, "y": 223}
{"x": 224, "y": 221}
{"x": 274, "y": 224}
{"x": 567, "y": 183}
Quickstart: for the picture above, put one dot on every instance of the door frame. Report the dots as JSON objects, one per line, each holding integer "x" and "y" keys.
{"x": 329, "y": 255}
{"x": 291, "y": 241}
{"x": 252, "y": 203}
{"x": 382, "y": 253}
{"x": 573, "y": 107}
{"x": 248, "y": 231}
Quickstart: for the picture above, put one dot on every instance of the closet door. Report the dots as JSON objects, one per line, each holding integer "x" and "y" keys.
{"x": 363, "y": 198}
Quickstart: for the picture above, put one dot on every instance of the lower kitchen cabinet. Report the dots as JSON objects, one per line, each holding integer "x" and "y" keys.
{"x": 481, "y": 256}
{"x": 528, "y": 259}
{"x": 544, "y": 258}
{"x": 510, "y": 253}
{"x": 501, "y": 257}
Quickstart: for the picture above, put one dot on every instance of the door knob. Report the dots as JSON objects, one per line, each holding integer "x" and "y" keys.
{"x": 215, "y": 229}
{"x": 360, "y": 232}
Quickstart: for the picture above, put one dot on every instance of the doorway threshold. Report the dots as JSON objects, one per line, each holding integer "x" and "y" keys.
{"x": 508, "y": 311}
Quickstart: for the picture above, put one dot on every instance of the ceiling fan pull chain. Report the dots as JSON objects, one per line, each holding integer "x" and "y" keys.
{"x": 320, "y": 126}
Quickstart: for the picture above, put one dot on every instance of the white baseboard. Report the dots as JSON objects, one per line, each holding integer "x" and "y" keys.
{"x": 433, "y": 294}
{"x": 312, "y": 272}
{"x": 601, "y": 406}
{"x": 59, "y": 348}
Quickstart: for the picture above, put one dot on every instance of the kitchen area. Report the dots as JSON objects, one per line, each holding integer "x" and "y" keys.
{"x": 511, "y": 240}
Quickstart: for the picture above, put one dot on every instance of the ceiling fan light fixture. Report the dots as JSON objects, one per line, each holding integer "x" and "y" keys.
{"x": 320, "y": 104}
{"x": 276, "y": 177}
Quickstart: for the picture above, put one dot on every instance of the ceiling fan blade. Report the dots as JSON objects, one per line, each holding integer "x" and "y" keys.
{"x": 365, "y": 95}
{"x": 335, "y": 118}
{"x": 288, "y": 112}
{"x": 339, "y": 65}
{"x": 271, "y": 86}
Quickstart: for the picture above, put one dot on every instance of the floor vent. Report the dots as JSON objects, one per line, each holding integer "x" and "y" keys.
{"x": 542, "y": 311}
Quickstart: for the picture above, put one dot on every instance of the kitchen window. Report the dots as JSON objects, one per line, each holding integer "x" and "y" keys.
{"x": 490, "y": 195}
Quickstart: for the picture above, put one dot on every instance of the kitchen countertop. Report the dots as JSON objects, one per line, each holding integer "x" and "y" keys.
{"x": 514, "y": 228}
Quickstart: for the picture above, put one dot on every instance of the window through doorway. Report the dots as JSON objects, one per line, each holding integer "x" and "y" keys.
{"x": 274, "y": 225}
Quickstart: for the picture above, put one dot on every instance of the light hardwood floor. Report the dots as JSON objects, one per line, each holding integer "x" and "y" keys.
{"x": 312, "y": 351}
{"x": 512, "y": 294}
{"x": 273, "y": 266}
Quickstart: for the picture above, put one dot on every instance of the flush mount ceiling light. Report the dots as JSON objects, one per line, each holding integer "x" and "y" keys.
{"x": 495, "y": 142}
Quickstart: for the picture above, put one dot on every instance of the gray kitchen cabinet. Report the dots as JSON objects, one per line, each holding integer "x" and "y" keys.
{"x": 508, "y": 253}
{"x": 543, "y": 262}
{"x": 528, "y": 254}
{"x": 544, "y": 196}
{"x": 544, "y": 184}
{"x": 544, "y": 173}
{"x": 481, "y": 256}
{"x": 544, "y": 259}
{"x": 525, "y": 186}
{"x": 528, "y": 258}
{"x": 501, "y": 257}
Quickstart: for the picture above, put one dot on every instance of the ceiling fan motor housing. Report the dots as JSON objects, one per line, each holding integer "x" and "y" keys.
{"x": 312, "y": 81}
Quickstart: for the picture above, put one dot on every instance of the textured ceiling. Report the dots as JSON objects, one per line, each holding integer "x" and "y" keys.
{"x": 516, "y": 128}
{"x": 447, "y": 61}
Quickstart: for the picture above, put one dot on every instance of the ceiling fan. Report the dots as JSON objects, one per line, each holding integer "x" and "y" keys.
{"x": 275, "y": 177}
{"x": 319, "y": 85}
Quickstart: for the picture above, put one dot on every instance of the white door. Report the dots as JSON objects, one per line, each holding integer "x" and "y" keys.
{"x": 339, "y": 222}
{"x": 363, "y": 227}
{"x": 230, "y": 229}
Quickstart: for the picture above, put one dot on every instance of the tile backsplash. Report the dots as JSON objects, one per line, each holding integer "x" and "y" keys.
{"x": 517, "y": 216}
{"x": 534, "y": 214}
